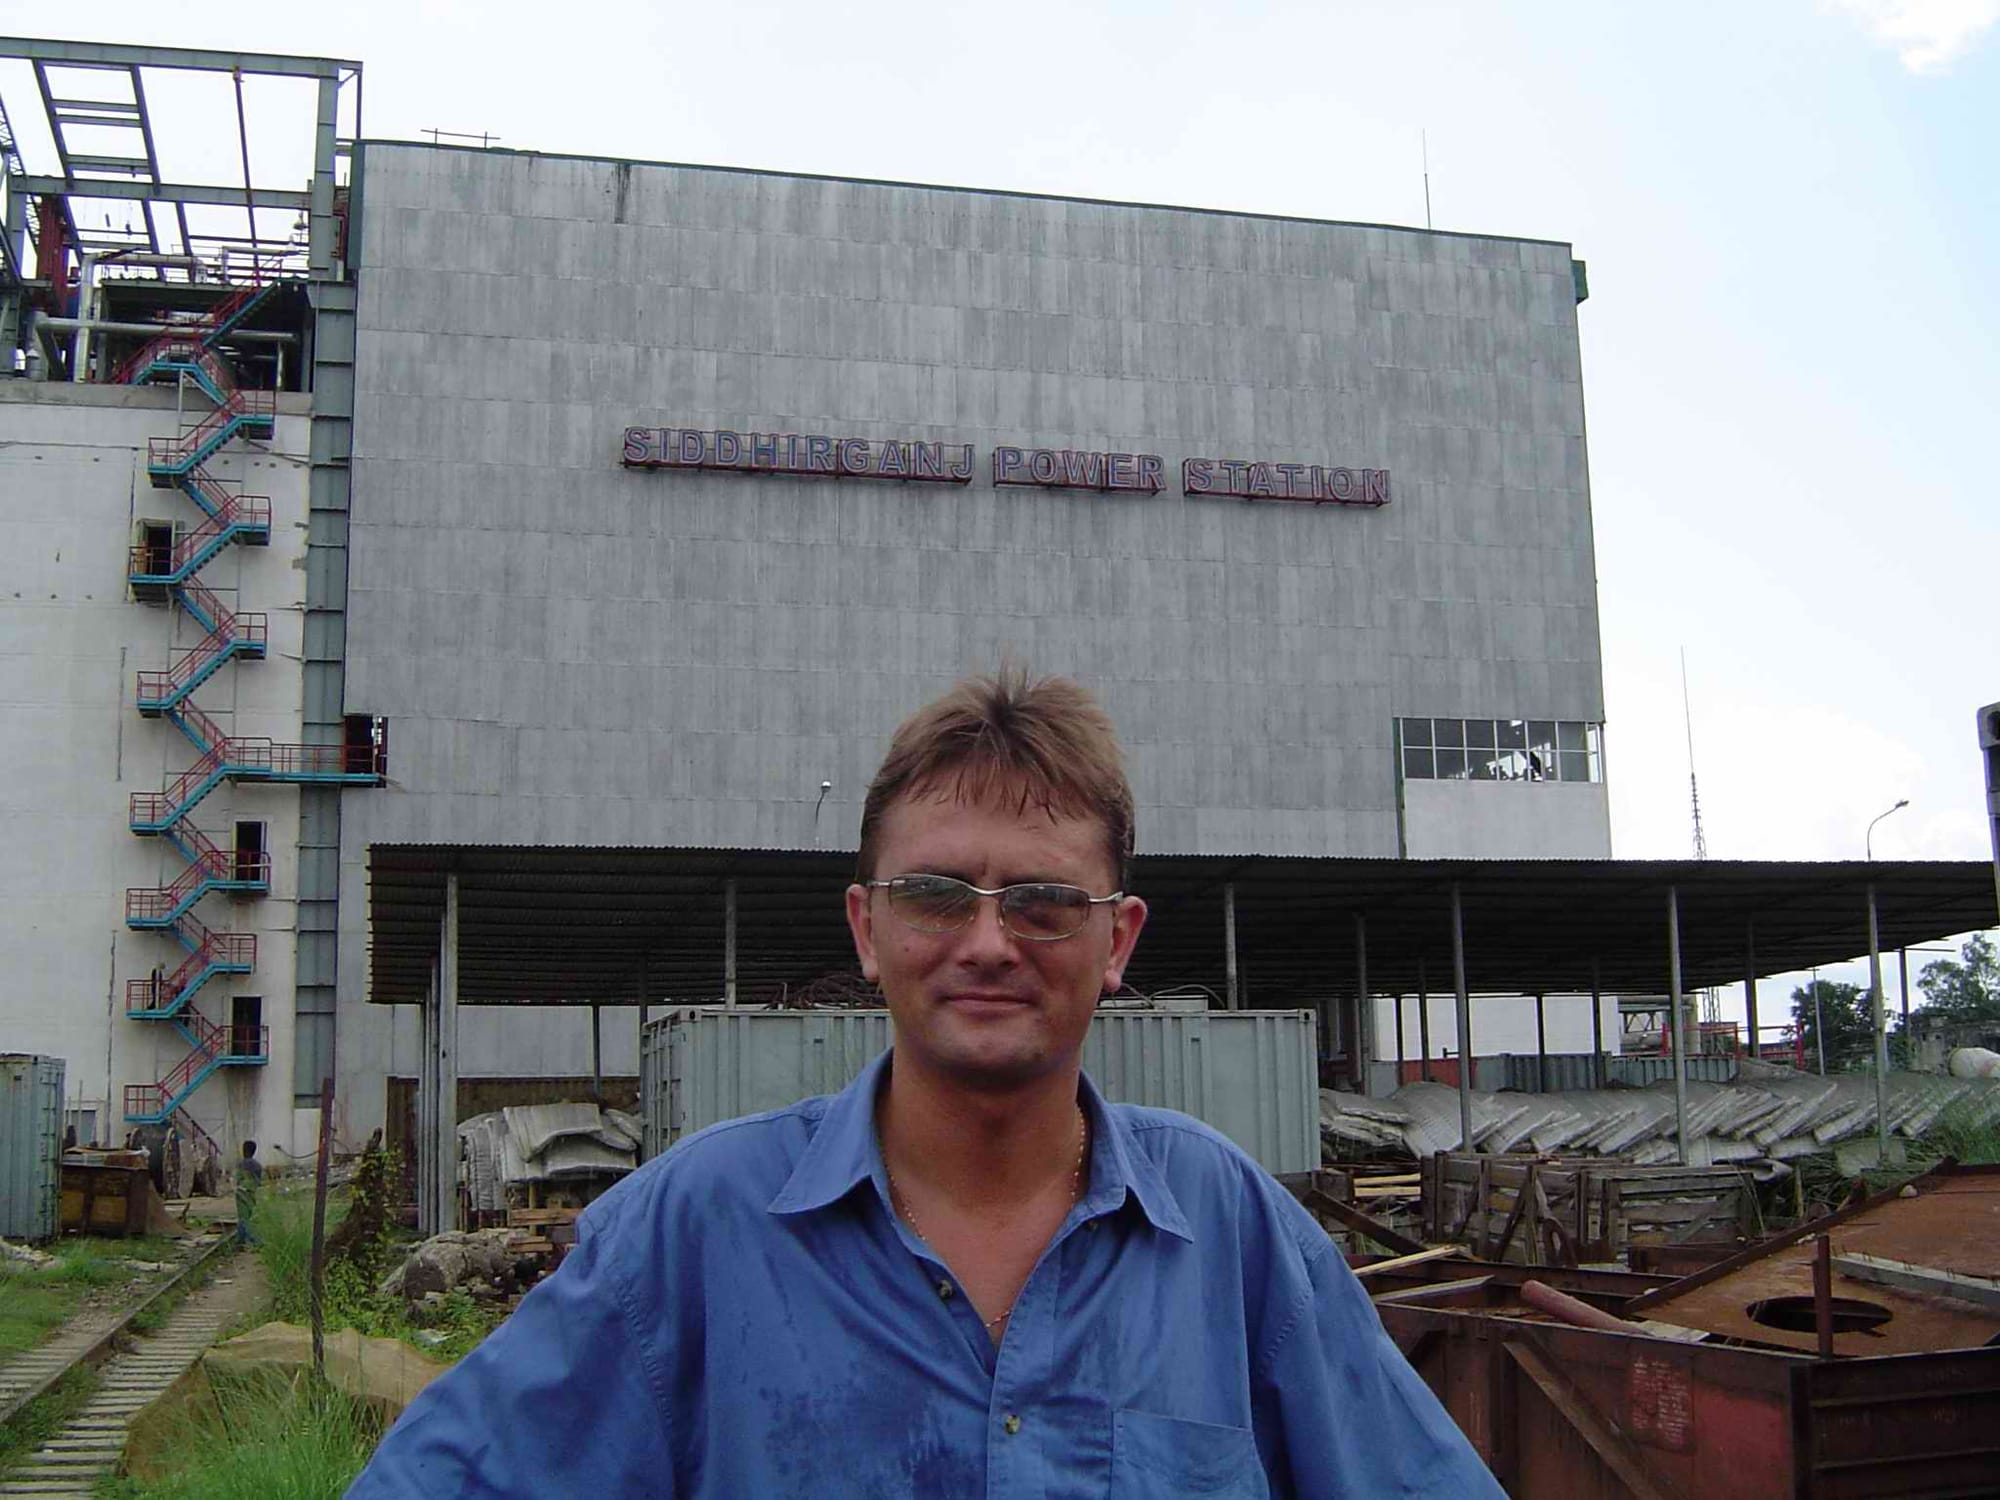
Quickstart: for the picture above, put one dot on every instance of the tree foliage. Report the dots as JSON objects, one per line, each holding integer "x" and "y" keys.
{"x": 1844, "y": 1011}
{"x": 1966, "y": 988}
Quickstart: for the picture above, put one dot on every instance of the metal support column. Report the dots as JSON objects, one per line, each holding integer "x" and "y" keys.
{"x": 319, "y": 217}
{"x": 1750, "y": 988}
{"x": 644, "y": 999}
{"x": 1878, "y": 1018}
{"x": 1423, "y": 1023}
{"x": 1903, "y": 965}
{"x": 1233, "y": 997}
{"x": 1678, "y": 1021}
{"x": 444, "y": 1050}
{"x": 597, "y": 1052}
{"x": 1596, "y": 1027}
{"x": 729, "y": 941}
{"x": 1359, "y": 1052}
{"x": 1541, "y": 1044}
{"x": 1464, "y": 1021}
{"x": 1399, "y": 1041}
{"x": 426, "y": 1124}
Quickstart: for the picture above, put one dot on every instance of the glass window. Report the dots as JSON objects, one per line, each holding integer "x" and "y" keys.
{"x": 1565, "y": 750}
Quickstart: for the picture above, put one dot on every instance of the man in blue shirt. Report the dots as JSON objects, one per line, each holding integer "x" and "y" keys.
{"x": 966, "y": 1274}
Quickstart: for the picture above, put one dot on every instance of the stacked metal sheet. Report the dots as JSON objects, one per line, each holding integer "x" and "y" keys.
{"x": 1775, "y": 1118}
{"x": 542, "y": 1143}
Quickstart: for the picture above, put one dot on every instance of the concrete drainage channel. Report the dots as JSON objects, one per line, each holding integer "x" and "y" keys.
{"x": 89, "y": 1445}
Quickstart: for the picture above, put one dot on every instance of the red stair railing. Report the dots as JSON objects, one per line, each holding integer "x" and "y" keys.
{"x": 210, "y": 863}
{"x": 171, "y": 453}
{"x": 238, "y": 948}
{"x": 156, "y": 807}
{"x": 206, "y": 730}
{"x": 196, "y": 332}
{"x": 236, "y": 510}
{"x": 158, "y": 687}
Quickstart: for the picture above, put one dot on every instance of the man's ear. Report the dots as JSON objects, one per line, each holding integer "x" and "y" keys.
{"x": 861, "y": 922}
{"x": 1127, "y": 919}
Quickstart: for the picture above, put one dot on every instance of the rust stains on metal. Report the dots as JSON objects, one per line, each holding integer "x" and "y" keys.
{"x": 1950, "y": 1223}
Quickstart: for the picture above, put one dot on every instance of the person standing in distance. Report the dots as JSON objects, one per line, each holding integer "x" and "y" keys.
{"x": 249, "y": 1182}
{"x": 966, "y": 1274}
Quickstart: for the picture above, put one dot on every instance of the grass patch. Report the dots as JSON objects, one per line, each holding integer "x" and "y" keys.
{"x": 1963, "y": 1132}
{"x": 264, "y": 1437}
{"x": 42, "y": 1418}
{"x": 281, "y": 1227}
{"x": 35, "y": 1300}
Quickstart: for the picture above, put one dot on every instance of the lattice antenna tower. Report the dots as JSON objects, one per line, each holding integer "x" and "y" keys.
{"x": 1694, "y": 788}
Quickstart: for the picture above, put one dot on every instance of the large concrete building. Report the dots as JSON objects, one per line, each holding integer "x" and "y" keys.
{"x": 625, "y": 507}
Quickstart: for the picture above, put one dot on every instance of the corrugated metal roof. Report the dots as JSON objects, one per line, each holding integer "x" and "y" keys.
{"x": 550, "y": 926}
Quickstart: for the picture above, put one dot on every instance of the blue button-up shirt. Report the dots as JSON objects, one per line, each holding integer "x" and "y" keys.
{"x": 747, "y": 1317}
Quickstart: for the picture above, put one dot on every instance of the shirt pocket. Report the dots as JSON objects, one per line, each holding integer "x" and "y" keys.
{"x": 1154, "y": 1456}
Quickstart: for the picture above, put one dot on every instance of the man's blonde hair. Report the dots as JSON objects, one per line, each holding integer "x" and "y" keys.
{"x": 1046, "y": 742}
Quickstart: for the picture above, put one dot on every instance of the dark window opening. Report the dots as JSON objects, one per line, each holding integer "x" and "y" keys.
{"x": 156, "y": 546}
{"x": 246, "y": 1026}
{"x": 366, "y": 741}
{"x": 252, "y": 860}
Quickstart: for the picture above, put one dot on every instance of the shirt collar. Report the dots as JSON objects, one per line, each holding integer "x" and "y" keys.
{"x": 844, "y": 1153}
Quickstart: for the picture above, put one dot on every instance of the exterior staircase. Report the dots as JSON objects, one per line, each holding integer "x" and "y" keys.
{"x": 167, "y": 574}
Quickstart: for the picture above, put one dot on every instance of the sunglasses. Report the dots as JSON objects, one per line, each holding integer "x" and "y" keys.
{"x": 1040, "y": 911}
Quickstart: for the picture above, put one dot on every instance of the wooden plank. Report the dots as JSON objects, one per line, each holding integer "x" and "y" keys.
{"x": 1436, "y": 1252}
{"x": 1513, "y": 1222}
{"x": 519, "y": 1218}
{"x": 1620, "y": 1453}
{"x": 1431, "y": 1291}
{"x": 1354, "y": 1219}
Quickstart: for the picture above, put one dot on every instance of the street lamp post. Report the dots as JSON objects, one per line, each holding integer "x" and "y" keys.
{"x": 1875, "y": 1007}
{"x": 1868, "y": 838}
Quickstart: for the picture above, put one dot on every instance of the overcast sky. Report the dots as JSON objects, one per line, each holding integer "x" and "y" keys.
{"x": 1789, "y": 209}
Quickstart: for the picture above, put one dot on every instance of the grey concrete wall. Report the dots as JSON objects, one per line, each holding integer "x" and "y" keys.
{"x": 574, "y": 653}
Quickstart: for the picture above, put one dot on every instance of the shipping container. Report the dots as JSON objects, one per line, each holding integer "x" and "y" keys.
{"x": 1250, "y": 1073}
{"x": 31, "y": 1122}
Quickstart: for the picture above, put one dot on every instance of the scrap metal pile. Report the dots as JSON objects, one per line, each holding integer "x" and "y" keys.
{"x": 512, "y": 1148}
{"x": 1774, "y": 1120}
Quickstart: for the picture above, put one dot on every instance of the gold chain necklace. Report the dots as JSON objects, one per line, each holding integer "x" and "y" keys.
{"x": 901, "y": 1202}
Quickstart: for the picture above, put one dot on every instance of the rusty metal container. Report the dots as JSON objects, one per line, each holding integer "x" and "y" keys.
{"x": 1574, "y": 1414}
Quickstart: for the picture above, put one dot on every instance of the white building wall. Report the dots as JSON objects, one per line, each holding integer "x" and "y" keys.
{"x": 1506, "y": 820}
{"x": 73, "y": 488}
{"x": 1500, "y": 1023}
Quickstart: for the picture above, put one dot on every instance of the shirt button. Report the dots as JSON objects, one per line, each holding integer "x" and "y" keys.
{"x": 944, "y": 1291}
{"x": 1091, "y": 1225}
{"x": 1012, "y": 1424}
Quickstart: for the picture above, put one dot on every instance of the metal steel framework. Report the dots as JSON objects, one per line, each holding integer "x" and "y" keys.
{"x": 127, "y": 170}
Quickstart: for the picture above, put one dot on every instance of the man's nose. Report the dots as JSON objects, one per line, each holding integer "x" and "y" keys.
{"x": 986, "y": 938}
